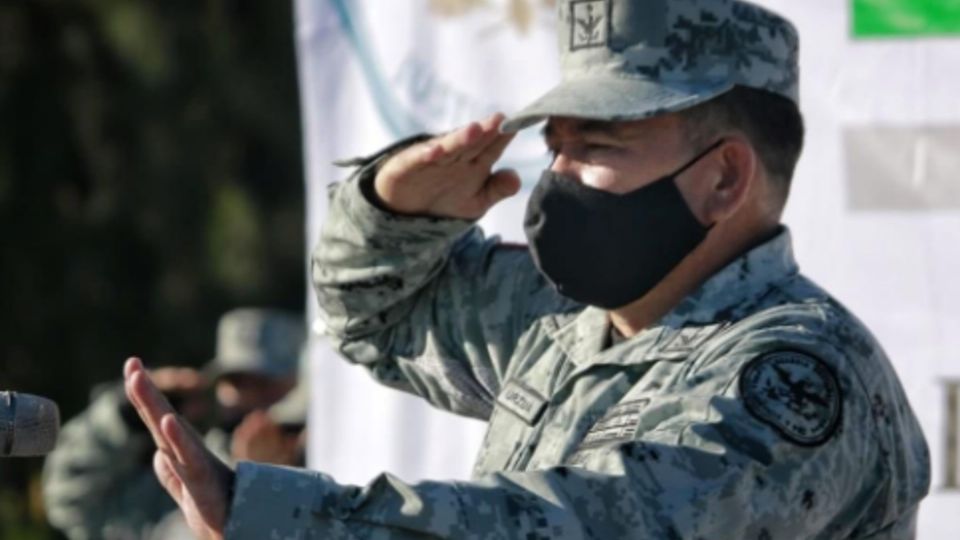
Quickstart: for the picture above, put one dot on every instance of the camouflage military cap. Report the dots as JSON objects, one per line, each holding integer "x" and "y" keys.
{"x": 633, "y": 59}
{"x": 258, "y": 341}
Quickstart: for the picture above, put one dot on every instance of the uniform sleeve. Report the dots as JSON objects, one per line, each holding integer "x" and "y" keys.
{"x": 428, "y": 305}
{"x": 98, "y": 482}
{"x": 695, "y": 463}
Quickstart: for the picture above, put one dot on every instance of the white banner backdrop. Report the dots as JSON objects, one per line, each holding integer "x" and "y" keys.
{"x": 875, "y": 208}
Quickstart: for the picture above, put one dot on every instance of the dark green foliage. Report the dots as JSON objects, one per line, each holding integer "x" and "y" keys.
{"x": 150, "y": 179}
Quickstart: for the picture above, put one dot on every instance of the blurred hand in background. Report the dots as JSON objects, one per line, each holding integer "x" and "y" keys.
{"x": 259, "y": 438}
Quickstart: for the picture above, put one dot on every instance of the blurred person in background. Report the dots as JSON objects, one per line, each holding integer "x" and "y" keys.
{"x": 280, "y": 431}
{"x": 98, "y": 482}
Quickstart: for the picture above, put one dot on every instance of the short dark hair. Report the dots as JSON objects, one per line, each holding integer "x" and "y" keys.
{"x": 771, "y": 122}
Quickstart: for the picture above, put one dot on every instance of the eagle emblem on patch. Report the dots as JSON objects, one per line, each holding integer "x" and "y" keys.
{"x": 589, "y": 24}
{"x": 795, "y": 393}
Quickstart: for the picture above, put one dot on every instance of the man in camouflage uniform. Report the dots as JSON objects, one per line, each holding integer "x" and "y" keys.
{"x": 688, "y": 382}
{"x": 98, "y": 483}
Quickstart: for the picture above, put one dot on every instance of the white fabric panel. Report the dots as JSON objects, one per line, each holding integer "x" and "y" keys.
{"x": 372, "y": 71}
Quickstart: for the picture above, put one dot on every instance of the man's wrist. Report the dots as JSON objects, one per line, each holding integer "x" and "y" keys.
{"x": 368, "y": 188}
{"x": 378, "y": 157}
{"x": 370, "y": 166}
{"x": 291, "y": 497}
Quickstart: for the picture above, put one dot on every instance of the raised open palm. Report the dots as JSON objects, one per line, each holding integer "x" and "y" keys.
{"x": 194, "y": 477}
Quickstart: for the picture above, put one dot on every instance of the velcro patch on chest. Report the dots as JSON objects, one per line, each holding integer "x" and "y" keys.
{"x": 684, "y": 341}
{"x": 619, "y": 424}
{"x": 795, "y": 393}
{"x": 522, "y": 401}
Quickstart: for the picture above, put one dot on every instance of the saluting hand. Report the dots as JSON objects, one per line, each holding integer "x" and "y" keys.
{"x": 450, "y": 175}
{"x": 196, "y": 479}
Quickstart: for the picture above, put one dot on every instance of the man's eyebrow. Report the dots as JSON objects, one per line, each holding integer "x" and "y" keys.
{"x": 599, "y": 127}
{"x": 588, "y": 127}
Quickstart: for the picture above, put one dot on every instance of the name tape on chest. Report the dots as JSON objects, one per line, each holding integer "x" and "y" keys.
{"x": 522, "y": 401}
{"x": 795, "y": 393}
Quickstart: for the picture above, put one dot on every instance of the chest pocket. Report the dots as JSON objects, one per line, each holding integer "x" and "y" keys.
{"x": 657, "y": 391}
{"x": 551, "y": 410}
{"x": 541, "y": 415}
{"x": 516, "y": 423}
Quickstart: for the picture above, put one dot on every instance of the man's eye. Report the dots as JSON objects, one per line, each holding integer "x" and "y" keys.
{"x": 597, "y": 147}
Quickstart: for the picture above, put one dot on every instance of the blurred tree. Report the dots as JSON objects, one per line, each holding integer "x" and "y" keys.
{"x": 150, "y": 179}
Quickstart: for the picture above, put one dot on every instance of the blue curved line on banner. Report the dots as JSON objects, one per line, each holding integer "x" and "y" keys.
{"x": 398, "y": 122}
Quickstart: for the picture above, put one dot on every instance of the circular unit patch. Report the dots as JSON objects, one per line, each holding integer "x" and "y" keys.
{"x": 794, "y": 392}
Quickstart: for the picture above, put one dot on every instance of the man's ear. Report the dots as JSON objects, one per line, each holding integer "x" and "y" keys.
{"x": 733, "y": 174}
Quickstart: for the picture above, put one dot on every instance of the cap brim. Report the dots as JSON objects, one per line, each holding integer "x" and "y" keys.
{"x": 613, "y": 98}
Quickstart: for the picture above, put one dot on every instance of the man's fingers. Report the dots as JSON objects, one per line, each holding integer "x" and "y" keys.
{"x": 196, "y": 480}
{"x": 167, "y": 474}
{"x": 492, "y": 122}
{"x": 468, "y": 142}
{"x": 149, "y": 402}
{"x": 490, "y": 135}
{"x": 174, "y": 434}
{"x": 132, "y": 364}
{"x": 464, "y": 144}
{"x": 458, "y": 141}
{"x": 446, "y": 175}
{"x": 499, "y": 186}
{"x": 186, "y": 446}
{"x": 492, "y": 152}
{"x": 418, "y": 155}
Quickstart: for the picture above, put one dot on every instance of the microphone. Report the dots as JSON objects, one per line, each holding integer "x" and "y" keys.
{"x": 28, "y": 425}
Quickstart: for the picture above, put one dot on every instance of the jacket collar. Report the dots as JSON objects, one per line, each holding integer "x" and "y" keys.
{"x": 729, "y": 295}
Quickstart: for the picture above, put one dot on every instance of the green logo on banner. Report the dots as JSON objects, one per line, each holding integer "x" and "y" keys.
{"x": 906, "y": 18}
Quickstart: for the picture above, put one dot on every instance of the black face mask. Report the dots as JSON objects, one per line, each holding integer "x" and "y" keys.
{"x": 606, "y": 249}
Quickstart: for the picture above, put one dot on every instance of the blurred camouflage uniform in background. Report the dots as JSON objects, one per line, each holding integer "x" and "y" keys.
{"x": 99, "y": 481}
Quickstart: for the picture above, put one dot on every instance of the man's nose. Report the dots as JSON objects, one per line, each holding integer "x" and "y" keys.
{"x": 562, "y": 164}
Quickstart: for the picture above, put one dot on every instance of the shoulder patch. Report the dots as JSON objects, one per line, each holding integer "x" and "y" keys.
{"x": 795, "y": 393}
